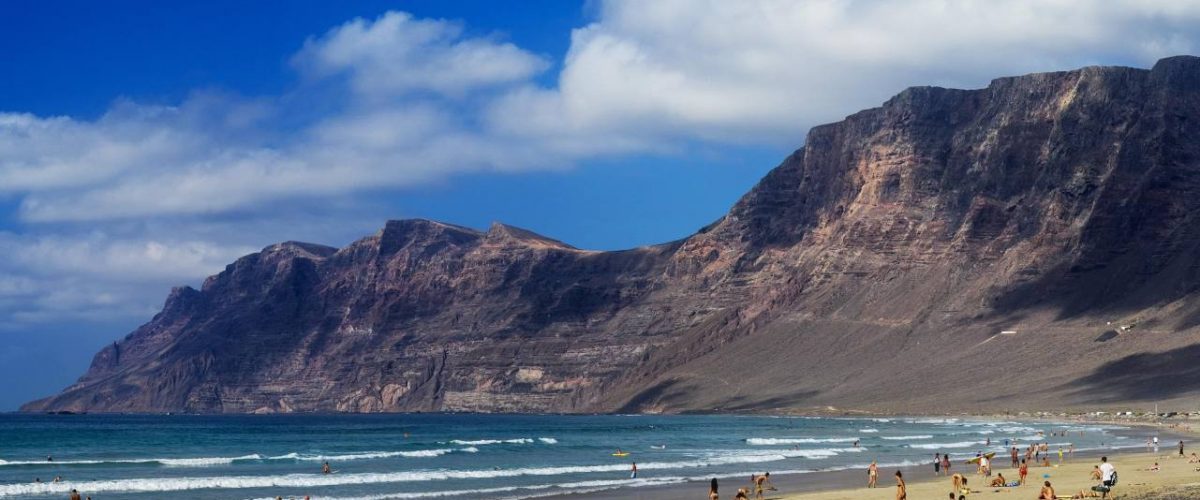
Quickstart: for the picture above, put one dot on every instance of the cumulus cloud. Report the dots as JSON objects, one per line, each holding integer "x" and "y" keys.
{"x": 107, "y": 206}
{"x": 767, "y": 70}
{"x": 397, "y": 53}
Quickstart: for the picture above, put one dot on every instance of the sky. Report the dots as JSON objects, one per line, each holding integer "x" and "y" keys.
{"x": 146, "y": 145}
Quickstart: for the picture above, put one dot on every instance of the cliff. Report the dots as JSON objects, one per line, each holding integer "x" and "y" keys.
{"x": 874, "y": 269}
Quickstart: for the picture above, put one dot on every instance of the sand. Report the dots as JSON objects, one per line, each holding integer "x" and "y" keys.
{"x": 1177, "y": 479}
{"x": 1134, "y": 480}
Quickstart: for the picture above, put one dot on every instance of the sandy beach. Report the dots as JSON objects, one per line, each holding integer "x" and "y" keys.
{"x": 1135, "y": 480}
{"x": 1177, "y": 478}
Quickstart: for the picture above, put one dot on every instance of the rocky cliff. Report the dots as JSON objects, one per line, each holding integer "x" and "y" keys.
{"x": 1033, "y": 245}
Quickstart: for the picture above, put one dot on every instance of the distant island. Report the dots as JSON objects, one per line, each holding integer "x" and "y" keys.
{"x": 1037, "y": 239}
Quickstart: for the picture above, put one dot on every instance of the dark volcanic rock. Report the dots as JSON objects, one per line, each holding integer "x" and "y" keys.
{"x": 871, "y": 270}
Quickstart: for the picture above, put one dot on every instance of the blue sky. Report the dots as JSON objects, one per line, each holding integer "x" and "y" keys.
{"x": 145, "y": 145}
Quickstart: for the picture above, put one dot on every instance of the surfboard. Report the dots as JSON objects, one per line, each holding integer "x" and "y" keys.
{"x": 626, "y": 454}
{"x": 976, "y": 459}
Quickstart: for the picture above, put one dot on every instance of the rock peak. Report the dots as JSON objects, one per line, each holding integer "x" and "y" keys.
{"x": 500, "y": 232}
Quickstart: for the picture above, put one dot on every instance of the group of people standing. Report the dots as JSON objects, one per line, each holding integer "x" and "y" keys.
{"x": 758, "y": 483}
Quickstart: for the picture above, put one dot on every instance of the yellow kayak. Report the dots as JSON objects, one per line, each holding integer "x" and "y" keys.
{"x": 622, "y": 454}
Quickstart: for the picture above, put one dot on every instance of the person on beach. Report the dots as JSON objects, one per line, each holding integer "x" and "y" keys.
{"x": 959, "y": 481}
{"x": 937, "y": 464}
{"x": 872, "y": 474}
{"x": 999, "y": 481}
{"x": 1060, "y": 454}
{"x": 325, "y": 468}
{"x": 1096, "y": 474}
{"x": 741, "y": 494}
{"x": 901, "y": 489}
{"x": 712, "y": 490}
{"x": 1013, "y": 452}
{"x": 1181, "y": 447}
{"x": 946, "y": 463}
{"x": 1022, "y": 472}
{"x": 1195, "y": 459}
{"x": 761, "y": 484}
{"x": 633, "y": 471}
{"x": 1047, "y": 492}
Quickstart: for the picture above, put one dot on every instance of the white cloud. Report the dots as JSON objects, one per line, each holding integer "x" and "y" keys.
{"x": 397, "y": 54}
{"x": 767, "y": 70}
{"x": 148, "y": 196}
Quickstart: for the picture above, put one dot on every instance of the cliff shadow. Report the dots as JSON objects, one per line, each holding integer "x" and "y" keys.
{"x": 1142, "y": 377}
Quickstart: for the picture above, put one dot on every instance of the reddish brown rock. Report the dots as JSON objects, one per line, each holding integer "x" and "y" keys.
{"x": 873, "y": 270}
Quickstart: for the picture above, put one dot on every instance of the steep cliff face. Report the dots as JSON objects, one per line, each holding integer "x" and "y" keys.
{"x": 873, "y": 269}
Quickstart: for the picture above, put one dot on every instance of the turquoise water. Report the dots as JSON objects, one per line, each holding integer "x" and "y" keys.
{"x": 464, "y": 456}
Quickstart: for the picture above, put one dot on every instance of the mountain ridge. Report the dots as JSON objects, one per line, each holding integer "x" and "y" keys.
{"x": 1050, "y": 204}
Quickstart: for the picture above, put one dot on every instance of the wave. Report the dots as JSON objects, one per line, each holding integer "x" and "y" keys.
{"x": 548, "y": 440}
{"x": 779, "y": 441}
{"x": 900, "y": 438}
{"x": 169, "y": 462}
{"x": 932, "y": 421}
{"x": 938, "y": 446}
{"x": 216, "y": 461}
{"x": 481, "y": 442}
{"x": 869, "y": 431}
{"x": 167, "y": 484}
{"x": 371, "y": 455}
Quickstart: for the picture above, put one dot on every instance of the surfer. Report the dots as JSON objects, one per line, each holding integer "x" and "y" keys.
{"x": 74, "y": 495}
{"x": 49, "y": 458}
{"x": 901, "y": 489}
{"x": 872, "y": 474}
{"x": 325, "y": 468}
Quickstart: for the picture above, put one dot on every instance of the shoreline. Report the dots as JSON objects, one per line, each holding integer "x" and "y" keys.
{"x": 849, "y": 484}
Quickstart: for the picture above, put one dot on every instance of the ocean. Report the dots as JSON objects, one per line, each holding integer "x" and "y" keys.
{"x": 470, "y": 456}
